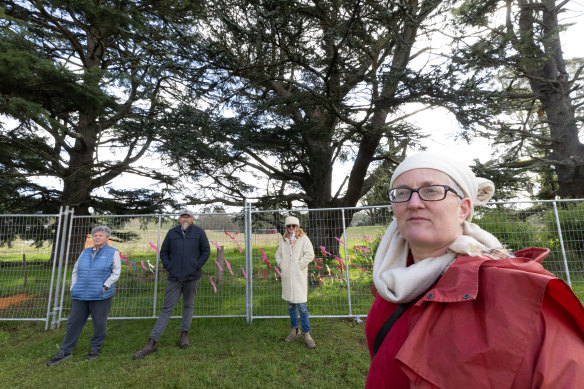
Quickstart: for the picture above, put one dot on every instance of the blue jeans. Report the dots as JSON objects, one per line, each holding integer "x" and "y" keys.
{"x": 293, "y": 309}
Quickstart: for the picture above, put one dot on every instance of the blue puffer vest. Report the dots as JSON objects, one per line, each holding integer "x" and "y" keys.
{"x": 92, "y": 273}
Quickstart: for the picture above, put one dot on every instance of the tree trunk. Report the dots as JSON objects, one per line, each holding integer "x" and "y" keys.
{"x": 77, "y": 182}
{"x": 550, "y": 82}
{"x": 566, "y": 148}
{"x": 324, "y": 226}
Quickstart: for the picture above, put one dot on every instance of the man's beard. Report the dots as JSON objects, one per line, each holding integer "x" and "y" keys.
{"x": 185, "y": 226}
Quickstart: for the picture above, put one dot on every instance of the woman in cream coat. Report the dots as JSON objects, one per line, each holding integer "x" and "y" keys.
{"x": 294, "y": 254}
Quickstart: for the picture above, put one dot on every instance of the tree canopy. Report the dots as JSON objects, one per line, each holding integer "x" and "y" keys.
{"x": 536, "y": 117}
{"x": 264, "y": 99}
{"x": 291, "y": 89}
{"x": 86, "y": 83}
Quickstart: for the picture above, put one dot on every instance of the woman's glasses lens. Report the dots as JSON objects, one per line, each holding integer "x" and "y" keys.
{"x": 426, "y": 193}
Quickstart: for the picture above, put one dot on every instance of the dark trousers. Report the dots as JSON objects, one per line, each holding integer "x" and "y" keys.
{"x": 80, "y": 311}
{"x": 174, "y": 289}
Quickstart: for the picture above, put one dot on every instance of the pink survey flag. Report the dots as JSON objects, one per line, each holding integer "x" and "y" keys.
{"x": 154, "y": 246}
{"x": 233, "y": 239}
{"x": 212, "y": 283}
{"x": 364, "y": 249}
{"x": 219, "y": 266}
{"x": 215, "y": 244}
{"x": 360, "y": 268}
{"x": 228, "y": 266}
{"x": 340, "y": 241}
{"x": 323, "y": 251}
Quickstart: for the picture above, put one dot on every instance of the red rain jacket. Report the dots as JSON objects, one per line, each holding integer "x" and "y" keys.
{"x": 505, "y": 323}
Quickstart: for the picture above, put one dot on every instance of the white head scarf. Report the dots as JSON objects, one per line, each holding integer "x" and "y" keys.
{"x": 478, "y": 190}
{"x": 393, "y": 280}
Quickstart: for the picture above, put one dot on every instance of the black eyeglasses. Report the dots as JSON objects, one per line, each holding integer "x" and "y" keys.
{"x": 426, "y": 193}
{"x": 291, "y": 226}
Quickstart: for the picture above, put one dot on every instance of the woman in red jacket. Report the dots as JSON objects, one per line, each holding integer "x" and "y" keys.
{"x": 453, "y": 308}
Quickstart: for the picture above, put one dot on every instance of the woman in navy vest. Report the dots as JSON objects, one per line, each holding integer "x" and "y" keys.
{"x": 92, "y": 289}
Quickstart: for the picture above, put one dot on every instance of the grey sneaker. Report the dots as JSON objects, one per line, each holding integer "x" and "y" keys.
{"x": 92, "y": 354}
{"x": 60, "y": 357}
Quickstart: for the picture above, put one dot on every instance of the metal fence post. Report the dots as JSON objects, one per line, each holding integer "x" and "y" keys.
{"x": 60, "y": 257}
{"x": 248, "y": 262}
{"x": 562, "y": 245}
{"x": 72, "y": 212}
{"x": 346, "y": 261}
{"x": 157, "y": 262}
{"x": 55, "y": 256}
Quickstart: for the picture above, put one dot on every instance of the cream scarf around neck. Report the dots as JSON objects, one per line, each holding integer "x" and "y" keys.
{"x": 400, "y": 284}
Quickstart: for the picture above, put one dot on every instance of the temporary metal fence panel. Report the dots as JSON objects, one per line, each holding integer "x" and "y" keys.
{"x": 136, "y": 238}
{"x": 140, "y": 288}
{"x": 557, "y": 225}
{"x": 241, "y": 277}
{"x": 339, "y": 278}
{"x": 363, "y": 234}
{"x": 27, "y": 256}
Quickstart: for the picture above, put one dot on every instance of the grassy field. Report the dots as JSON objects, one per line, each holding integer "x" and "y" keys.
{"x": 225, "y": 353}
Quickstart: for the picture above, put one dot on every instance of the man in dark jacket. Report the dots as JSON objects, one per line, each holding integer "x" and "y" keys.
{"x": 183, "y": 253}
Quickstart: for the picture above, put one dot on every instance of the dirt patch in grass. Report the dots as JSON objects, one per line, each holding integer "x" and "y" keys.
{"x": 6, "y": 302}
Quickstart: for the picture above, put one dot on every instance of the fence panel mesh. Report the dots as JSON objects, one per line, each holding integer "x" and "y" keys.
{"x": 221, "y": 290}
{"x": 137, "y": 239}
{"x": 538, "y": 224}
{"x": 362, "y": 238}
{"x": 140, "y": 289}
{"x": 339, "y": 278}
{"x": 27, "y": 244}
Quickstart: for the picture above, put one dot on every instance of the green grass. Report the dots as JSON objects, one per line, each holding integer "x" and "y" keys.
{"x": 578, "y": 287}
{"x": 225, "y": 353}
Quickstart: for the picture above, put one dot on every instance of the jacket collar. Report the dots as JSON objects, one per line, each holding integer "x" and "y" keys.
{"x": 460, "y": 282}
{"x": 180, "y": 230}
